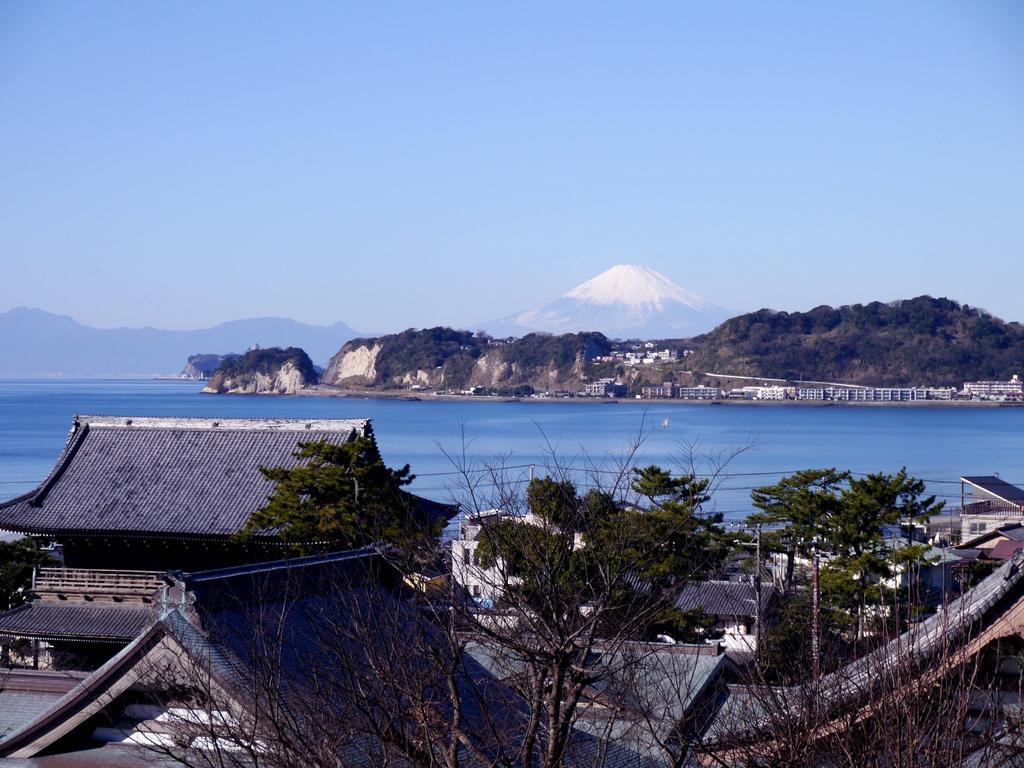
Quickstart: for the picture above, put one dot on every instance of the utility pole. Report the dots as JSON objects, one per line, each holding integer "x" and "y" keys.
{"x": 816, "y": 619}
{"x": 757, "y": 595}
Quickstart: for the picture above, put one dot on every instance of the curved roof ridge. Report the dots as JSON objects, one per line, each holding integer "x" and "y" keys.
{"x": 284, "y": 564}
{"x": 36, "y": 495}
{"x": 363, "y": 425}
{"x": 77, "y": 704}
{"x": 948, "y": 624}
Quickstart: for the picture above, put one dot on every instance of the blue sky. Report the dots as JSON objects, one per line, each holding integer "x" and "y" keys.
{"x": 412, "y": 164}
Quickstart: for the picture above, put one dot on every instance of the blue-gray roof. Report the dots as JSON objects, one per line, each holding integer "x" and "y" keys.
{"x": 27, "y": 693}
{"x": 724, "y": 598}
{"x": 997, "y": 487}
{"x": 94, "y": 622}
{"x": 171, "y": 477}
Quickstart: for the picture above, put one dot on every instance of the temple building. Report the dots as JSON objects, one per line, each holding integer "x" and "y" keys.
{"x": 169, "y": 493}
{"x": 132, "y": 498}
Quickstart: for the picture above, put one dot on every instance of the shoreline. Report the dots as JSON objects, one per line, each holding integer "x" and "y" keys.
{"x": 320, "y": 390}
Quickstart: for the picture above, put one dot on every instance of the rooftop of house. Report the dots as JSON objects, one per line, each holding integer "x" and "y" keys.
{"x": 996, "y": 487}
{"x": 1004, "y": 550}
{"x": 652, "y": 688}
{"x": 724, "y": 598}
{"x": 213, "y": 623}
{"x": 1012, "y": 532}
{"x": 170, "y": 477}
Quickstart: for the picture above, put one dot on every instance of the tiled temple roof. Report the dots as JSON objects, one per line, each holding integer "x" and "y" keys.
{"x": 81, "y": 621}
{"x": 166, "y": 477}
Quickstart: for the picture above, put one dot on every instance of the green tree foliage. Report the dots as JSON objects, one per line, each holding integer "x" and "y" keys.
{"x": 845, "y": 519}
{"x": 787, "y": 654}
{"x": 537, "y": 351}
{"x": 911, "y": 342}
{"x": 17, "y": 561}
{"x": 671, "y": 519}
{"x": 795, "y": 511}
{"x": 856, "y": 531}
{"x": 592, "y": 549}
{"x": 338, "y": 496}
{"x": 554, "y": 500}
{"x": 530, "y": 358}
{"x": 267, "y": 361}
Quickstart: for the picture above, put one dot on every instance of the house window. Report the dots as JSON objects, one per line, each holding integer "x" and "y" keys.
{"x": 465, "y": 556}
{"x": 476, "y": 590}
{"x": 979, "y": 527}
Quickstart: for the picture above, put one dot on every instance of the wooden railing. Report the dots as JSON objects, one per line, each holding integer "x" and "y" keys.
{"x": 987, "y": 508}
{"x": 96, "y": 584}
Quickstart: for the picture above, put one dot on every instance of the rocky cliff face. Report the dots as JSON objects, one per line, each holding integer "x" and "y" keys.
{"x": 273, "y": 371}
{"x": 355, "y": 363}
{"x": 445, "y": 358}
{"x": 204, "y": 366}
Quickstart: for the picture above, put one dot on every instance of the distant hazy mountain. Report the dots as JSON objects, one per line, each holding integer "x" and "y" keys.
{"x": 627, "y": 301}
{"x": 38, "y": 343}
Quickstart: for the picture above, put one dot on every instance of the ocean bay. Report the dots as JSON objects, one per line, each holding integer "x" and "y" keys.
{"x": 937, "y": 444}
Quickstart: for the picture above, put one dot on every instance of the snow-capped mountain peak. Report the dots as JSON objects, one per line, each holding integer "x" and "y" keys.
{"x": 626, "y": 301}
{"x": 635, "y": 286}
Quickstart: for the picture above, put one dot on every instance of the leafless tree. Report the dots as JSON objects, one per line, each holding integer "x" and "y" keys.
{"x": 363, "y": 672}
{"x": 361, "y": 669}
{"x": 930, "y": 697}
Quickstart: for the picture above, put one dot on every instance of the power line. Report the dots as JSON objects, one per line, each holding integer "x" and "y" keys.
{"x": 498, "y": 470}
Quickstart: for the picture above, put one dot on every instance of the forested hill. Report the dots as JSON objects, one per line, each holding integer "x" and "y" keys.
{"x": 264, "y": 371}
{"x": 443, "y": 357}
{"x": 910, "y": 342}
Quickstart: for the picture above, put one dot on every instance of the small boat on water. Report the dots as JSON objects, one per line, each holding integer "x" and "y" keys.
{"x": 664, "y": 424}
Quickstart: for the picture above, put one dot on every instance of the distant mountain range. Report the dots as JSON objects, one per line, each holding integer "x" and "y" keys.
{"x": 913, "y": 341}
{"x": 38, "y": 343}
{"x": 626, "y": 301}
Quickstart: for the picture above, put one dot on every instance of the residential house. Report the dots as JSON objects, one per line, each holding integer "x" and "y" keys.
{"x": 987, "y": 502}
{"x": 734, "y": 606}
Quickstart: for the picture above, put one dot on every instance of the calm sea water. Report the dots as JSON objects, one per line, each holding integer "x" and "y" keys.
{"x": 939, "y": 444}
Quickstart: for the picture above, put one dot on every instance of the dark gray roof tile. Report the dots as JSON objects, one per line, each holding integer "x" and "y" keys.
{"x": 723, "y": 598}
{"x": 79, "y": 621}
{"x": 195, "y": 477}
{"x": 19, "y": 708}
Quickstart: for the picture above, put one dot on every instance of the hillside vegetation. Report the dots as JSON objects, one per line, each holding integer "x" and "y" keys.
{"x": 442, "y": 357}
{"x": 264, "y": 371}
{"x": 915, "y": 341}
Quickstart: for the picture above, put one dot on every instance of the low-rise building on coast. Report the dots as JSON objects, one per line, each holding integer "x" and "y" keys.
{"x": 700, "y": 392}
{"x": 875, "y": 394}
{"x": 669, "y": 391}
{"x": 994, "y": 390}
{"x": 780, "y": 393}
{"x": 666, "y": 390}
{"x": 773, "y": 393}
{"x": 605, "y": 388}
